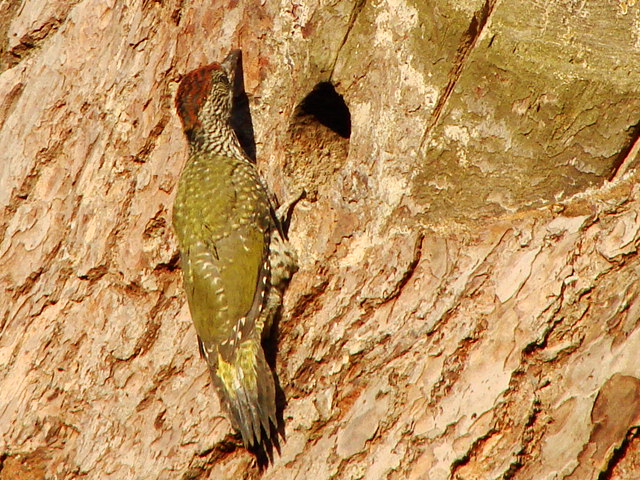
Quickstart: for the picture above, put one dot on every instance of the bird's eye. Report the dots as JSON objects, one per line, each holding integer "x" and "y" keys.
{"x": 222, "y": 78}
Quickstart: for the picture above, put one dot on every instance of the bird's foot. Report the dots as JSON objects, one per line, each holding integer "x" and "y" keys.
{"x": 284, "y": 211}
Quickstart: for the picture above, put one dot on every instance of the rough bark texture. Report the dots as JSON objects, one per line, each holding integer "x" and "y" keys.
{"x": 467, "y": 306}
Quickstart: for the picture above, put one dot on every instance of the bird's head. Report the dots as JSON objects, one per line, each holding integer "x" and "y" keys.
{"x": 204, "y": 100}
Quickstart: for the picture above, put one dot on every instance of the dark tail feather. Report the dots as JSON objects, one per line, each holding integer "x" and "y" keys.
{"x": 252, "y": 406}
{"x": 266, "y": 393}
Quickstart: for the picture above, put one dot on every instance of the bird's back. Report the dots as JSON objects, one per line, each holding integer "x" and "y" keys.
{"x": 221, "y": 214}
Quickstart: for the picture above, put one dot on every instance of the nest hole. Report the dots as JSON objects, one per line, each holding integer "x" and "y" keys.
{"x": 318, "y": 142}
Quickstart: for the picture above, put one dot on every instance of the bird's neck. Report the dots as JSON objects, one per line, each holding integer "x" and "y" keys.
{"x": 217, "y": 137}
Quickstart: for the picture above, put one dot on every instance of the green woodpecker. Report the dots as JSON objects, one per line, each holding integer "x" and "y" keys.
{"x": 235, "y": 259}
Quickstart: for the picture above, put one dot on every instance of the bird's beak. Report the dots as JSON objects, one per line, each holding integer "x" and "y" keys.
{"x": 231, "y": 64}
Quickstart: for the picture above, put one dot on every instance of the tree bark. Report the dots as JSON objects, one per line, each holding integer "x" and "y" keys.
{"x": 467, "y": 304}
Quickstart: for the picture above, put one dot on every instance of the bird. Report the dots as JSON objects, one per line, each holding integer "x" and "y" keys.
{"x": 235, "y": 258}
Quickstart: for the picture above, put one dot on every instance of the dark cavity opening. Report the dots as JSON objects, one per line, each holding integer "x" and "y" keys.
{"x": 328, "y": 107}
{"x": 318, "y": 141}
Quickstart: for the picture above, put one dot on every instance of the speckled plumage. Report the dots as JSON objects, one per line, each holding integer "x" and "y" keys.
{"x": 235, "y": 260}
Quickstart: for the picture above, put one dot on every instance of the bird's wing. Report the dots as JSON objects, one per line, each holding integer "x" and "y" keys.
{"x": 227, "y": 267}
{"x": 227, "y": 280}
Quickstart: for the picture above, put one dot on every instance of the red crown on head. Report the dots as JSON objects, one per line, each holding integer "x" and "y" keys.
{"x": 192, "y": 92}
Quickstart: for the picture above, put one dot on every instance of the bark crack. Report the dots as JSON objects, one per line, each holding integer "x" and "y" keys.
{"x": 628, "y": 157}
{"x": 619, "y": 453}
{"x": 467, "y": 44}
{"x": 473, "y": 450}
{"x": 30, "y": 41}
{"x": 372, "y": 304}
{"x": 357, "y": 8}
{"x": 482, "y": 268}
{"x": 150, "y": 144}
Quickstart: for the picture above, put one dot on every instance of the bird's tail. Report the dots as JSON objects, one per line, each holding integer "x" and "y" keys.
{"x": 247, "y": 389}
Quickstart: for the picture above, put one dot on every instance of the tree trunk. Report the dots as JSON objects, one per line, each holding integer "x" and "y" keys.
{"x": 467, "y": 304}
